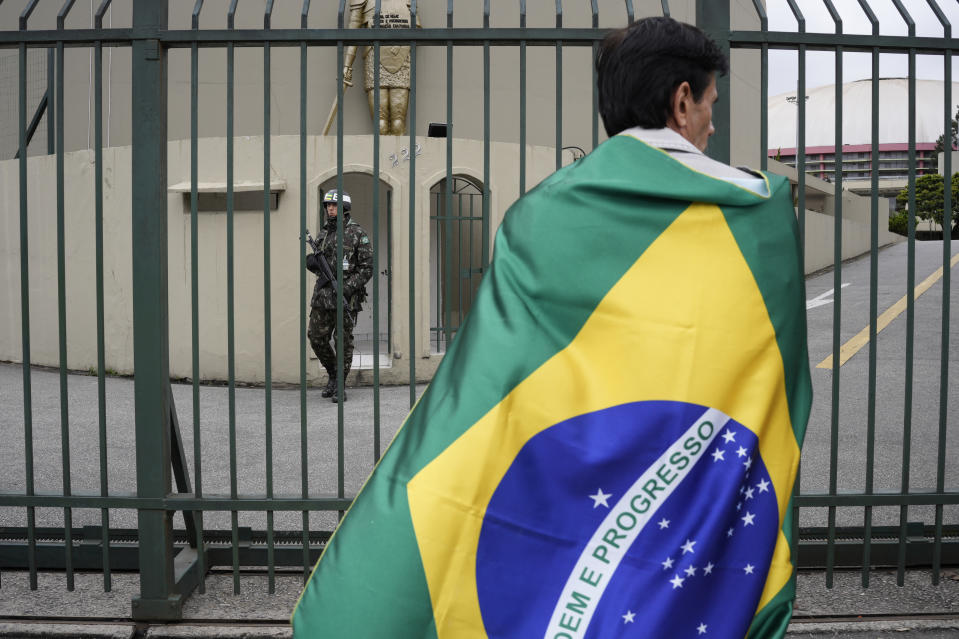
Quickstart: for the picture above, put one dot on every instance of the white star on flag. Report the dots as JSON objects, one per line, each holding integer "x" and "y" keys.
{"x": 668, "y": 563}
{"x": 763, "y": 486}
{"x": 739, "y": 506}
{"x": 663, "y": 523}
{"x": 599, "y": 499}
{"x": 729, "y": 436}
{"x": 708, "y": 568}
{"x": 628, "y": 617}
{"x": 729, "y": 533}
{"x": 688, "y": 546}
{"x": 701, "y": 629}
{"x": 741, "y": 452}
{"x": 677, "y": 582}
{"x": 717, "y": 455}
{"x": 749, "y": 493}
{"x": 748, "y": 569}
{"x": 748, "y": 463}
{"x": 748, "y": 519}
{"x": 690, "y": 571}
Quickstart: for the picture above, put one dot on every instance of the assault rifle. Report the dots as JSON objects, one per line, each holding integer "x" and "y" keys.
{"x": 325, "y": 272}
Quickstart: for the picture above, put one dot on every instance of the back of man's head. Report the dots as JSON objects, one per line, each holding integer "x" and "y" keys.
{"x": 640, "y": 66}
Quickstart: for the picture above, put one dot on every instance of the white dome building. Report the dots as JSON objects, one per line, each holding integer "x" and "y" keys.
{"x": 857, "y": 130}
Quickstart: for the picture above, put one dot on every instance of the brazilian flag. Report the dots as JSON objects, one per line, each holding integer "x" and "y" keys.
{"x": 610, "y": 444}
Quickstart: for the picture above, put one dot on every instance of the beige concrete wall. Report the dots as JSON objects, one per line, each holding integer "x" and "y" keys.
{"x": 285, "y": 248}
{"x": 821, "y": 220}
{"x": 468, "y": 94}
{"x": 856, "y": 234}
{"x": 431, "y": 84}
{"x": 79, "y": 263}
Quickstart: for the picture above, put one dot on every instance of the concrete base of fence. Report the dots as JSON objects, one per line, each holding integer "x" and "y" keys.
{"x": 52, "y": 611}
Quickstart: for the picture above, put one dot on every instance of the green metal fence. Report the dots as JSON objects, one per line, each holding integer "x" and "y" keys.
{"x": 935, "y": 543}
{"x": 172, "y": 562}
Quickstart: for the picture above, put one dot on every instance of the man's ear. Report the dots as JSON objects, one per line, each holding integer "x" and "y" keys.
{"x": 679, "y": 105}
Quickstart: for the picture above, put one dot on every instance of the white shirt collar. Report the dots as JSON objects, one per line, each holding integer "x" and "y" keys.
{"x": 664, "y": 138}
{"x": 686, "y": 152}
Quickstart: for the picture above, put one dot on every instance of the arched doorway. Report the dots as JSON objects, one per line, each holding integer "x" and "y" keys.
{"x": 456, "y": 255}
{"x": 379, "y": 228}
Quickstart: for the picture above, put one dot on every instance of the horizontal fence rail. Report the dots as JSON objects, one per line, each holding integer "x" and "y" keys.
{"x": 171, "y": 508}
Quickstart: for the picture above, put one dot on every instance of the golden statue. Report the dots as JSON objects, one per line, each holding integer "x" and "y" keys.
{"x": 394, "y": 71}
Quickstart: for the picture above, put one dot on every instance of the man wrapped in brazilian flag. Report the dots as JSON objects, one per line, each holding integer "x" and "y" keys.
{"x": 610, "y": 444}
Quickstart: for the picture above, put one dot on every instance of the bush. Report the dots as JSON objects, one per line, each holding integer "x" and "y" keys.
{"x": 899, "y": 223}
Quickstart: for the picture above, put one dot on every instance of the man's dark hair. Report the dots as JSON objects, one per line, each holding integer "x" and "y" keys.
{"x": 640, "y": 66}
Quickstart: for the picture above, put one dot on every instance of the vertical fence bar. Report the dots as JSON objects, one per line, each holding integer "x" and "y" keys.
{"x": 447, "y": 218}
{"x": 376, "y": 238}
{"x": 486, "y": 147}
{"x": 522, "y": 101}
{"x": 946, "y": 281}
{"x": 713, "y": 18}
{"x": 62, "y": 305}
{"x": 837, "y": 304}
{"x": 629, "y": 12}
{"x": 763, "y": 88}
{"x": 594, "y": 119}
{"x": 472, "y": 228}
{"x": 230, "y": 320}
{"x": 158, "y": 598}
{"x": 51, "y": 73}
{"x": 25, "y": 299}
{"x": 801, "y": 129}
{"x": 412, "y": 211}
{"x": 946, "y": 252}
{"x": 195, "y": 289}
{"x": 98, "y": 232}
{"x": 267, "y": 304}
{"x": 304, "y": 440}
{"x": 559, "y": 87}
{"x": 910, "y": 301}
{"x": 800, "y": 162}
{"x": 873, "y": 299}
{"x": 389, "y": 263}
{"x": 340, "y": 310}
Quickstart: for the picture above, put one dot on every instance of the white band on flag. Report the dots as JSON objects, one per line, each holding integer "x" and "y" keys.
{"x": 600, "y": 558}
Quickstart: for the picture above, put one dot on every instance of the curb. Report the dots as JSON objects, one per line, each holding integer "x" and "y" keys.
{"x": 898, "y": 628}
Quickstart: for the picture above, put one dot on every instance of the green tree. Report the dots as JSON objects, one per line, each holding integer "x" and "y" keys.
{"x": 941, "y": 141}
{"x": 929, "y": 199}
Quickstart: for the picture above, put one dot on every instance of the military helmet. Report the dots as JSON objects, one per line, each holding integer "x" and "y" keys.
{"x": 332, "y": 197}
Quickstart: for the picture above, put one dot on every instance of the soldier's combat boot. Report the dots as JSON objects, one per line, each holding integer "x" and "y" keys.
{"x": 346, "y": 372}
{"x": 330, "y": 389}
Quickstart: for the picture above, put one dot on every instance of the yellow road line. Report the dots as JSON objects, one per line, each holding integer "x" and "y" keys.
{"x": 853, "y": 346}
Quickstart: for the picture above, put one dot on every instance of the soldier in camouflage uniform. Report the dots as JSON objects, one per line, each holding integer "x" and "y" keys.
{"x": 357, "y": 270}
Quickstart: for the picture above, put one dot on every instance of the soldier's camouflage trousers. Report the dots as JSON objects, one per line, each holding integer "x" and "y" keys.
{"x": 321, "y": 334}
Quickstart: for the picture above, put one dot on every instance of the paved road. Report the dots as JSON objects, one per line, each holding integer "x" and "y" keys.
{"x": 321, "y": 442}
{"x": 851, "y": 418}
{"x": 394, "y": 402}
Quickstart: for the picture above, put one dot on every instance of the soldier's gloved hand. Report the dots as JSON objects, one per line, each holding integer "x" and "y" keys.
{"x": 312, "y": 263}
{"x": 348, "y": 76}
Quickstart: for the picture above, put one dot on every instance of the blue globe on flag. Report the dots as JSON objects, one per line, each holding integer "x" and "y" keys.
{"x": 653, "y": 518}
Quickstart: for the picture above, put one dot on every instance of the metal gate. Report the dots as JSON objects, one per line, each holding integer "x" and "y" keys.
{"x": 172, "y": 561}
{"x": 457, "y": 260}
{"x": 925, "y": 538}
